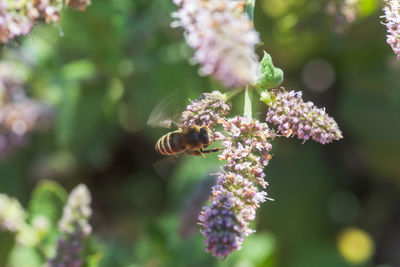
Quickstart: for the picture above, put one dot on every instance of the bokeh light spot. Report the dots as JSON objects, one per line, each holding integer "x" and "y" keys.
{"x": 318, "y": 75}
{"x": 125, "y": 67}
{"x": 343, "y": 207}
{"x": 19, "y": 127}
{"x": 276, "y": 8}
{"x": 355, "y": 245}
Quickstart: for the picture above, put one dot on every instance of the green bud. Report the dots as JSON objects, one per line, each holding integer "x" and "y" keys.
{"x": 267, "y": 98}
{"x": 270, "y": 77}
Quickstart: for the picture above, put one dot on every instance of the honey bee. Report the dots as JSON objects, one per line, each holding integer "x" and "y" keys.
{"x": 192, "y": 140}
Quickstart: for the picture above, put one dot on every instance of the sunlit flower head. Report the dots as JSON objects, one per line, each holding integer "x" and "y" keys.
{"x": 392, "y": 22}
{"x": 223, "y": 38}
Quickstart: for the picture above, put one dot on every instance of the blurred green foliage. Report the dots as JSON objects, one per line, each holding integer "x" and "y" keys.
{"x": 33, "y": 240}
{"x": 113, "y": 63}
{"x": 6, "y": 245}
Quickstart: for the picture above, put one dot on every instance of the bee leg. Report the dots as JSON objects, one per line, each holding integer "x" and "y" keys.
{"x": 212, "y": 150}
{"x": 201, "y": 154}
{"x": 196, "y": 153}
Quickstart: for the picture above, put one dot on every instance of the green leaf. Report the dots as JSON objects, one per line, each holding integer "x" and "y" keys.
{"x": 367, "y": 7}
{"x": 267, "y": 98}
{"x": 46, "y": 204}
{"x": 23, "y": 256}
{"x": 258, "y": 250}
{"x": 7, "y": 242}
{"x": 67, "y": 113}
{"x": 250, "y": 4}
{"x": 78, "y": 70}
{"x": 93, "y": 252}
{"x": 48, "y": 199}
{"x": 270, "y": 77}
{"x": 247, "y": 103}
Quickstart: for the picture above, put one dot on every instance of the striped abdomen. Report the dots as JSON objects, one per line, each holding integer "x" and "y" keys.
{"x": 171, "y": 143}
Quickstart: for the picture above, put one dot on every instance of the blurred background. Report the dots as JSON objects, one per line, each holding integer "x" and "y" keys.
{"x": 93, "y": 81}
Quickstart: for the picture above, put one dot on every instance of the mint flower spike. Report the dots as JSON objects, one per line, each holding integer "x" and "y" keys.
{"x": 223, "y": 38}
{"x": 293, "y": 116}
{"x": 392, "y": 22}
{"x": 237, "y": 194}
{"x": 18, "y": 17}
{"x": 268, "y": 75}
{"x": 206, "y": 111}
{"x": 74, "y": 228}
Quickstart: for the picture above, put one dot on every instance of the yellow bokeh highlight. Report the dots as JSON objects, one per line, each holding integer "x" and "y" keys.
{"x": 355, "y": 245}
{"x": 277, "y": 8}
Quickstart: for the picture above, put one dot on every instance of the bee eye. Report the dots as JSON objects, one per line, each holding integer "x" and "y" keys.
{"x": 203, "y": 130}
{"x": 204, "y": 135}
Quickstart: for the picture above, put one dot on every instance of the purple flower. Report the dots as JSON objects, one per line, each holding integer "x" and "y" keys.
{"x": 205, "y": 111}
{"x": 49, "y": 9}
{"x": 74, "y": 227}
{"x": 236, "y": 196}
{"x": 224, "y": 230}
{"x": 392, "y": 22}
{"x": 345, "y": 11}
{"x": 13, "y": 22}
{"x": 293, "y": 116}
{"x": 78, "y": 4}
{"x": 18, "y": 17}
{"x": 223, "y": 38}
{"x": 19, "y": 115}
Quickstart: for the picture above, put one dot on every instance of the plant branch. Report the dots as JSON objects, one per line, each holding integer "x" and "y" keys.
{"x": 250, "y": 4}
{"x": 232, "y": 94}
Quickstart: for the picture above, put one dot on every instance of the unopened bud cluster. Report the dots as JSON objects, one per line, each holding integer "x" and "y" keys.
{"x": 18, "y": 17}
{"x": 223, "y": 38}
{"x": 237, "y": 194}
{"x": 74, "y": 227}
{"x": 292, "y": 116}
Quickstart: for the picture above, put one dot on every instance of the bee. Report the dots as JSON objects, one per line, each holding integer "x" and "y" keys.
{"x": 192, "y": 140}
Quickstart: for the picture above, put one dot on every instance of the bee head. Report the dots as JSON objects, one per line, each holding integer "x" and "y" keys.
{"x": 204, "y": 135}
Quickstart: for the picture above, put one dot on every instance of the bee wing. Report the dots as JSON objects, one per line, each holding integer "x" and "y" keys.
{"x": 166, "y": 113}
{"x": 193, "y": 204}
{"x": 165, "y": 166}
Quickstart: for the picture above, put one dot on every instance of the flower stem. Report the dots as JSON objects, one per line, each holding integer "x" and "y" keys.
{"x": 248, "y": 95}
{"x": 232, "y": 94}
{"x": 250, "y": 4}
